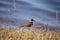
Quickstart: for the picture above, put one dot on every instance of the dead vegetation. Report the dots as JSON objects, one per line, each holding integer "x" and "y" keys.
{"x": 25, "y": 34}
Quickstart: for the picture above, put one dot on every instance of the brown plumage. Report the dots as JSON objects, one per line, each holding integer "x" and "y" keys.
{"x": 29, "y": 24}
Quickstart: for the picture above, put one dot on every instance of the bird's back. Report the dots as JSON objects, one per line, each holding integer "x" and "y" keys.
{"x": 29, "y": 24}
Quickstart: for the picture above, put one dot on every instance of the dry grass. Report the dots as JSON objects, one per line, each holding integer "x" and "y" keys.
{"x": 25, "y": 34}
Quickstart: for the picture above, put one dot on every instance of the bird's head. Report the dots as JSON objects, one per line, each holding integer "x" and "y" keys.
{"x": 31, "y": 20}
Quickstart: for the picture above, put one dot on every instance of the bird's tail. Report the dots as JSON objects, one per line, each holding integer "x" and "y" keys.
{"x": 22, "y": 26}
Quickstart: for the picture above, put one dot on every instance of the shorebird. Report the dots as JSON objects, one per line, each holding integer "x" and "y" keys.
{"x": 29, "y": 24}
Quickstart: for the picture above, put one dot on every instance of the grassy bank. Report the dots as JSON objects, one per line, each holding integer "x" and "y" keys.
{"x": 25, "y": 34}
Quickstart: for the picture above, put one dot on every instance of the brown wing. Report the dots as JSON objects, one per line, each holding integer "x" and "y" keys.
{"x": 28, "y": 24}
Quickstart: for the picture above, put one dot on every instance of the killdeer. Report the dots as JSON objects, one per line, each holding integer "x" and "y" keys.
{"x": 29, "y": 24}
